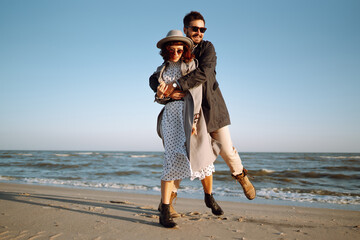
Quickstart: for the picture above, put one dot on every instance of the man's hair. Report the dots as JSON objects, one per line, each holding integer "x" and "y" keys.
{"x": 191, "y": 16}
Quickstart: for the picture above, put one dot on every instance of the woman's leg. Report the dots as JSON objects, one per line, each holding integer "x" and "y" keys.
{"x": 176, "y": 185}
{"x": 165, "y": 218}
{"x": 173, "y": 195}
{"x": 166, "y": 189}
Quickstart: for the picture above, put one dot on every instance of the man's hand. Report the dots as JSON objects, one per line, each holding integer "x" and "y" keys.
{"x": 177, "y": 94}
{"x": 169, "y": 89}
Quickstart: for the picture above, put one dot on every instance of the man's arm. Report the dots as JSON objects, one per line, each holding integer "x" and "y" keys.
{"x": 153, "y": 81}
{"x": 207, "y": 64}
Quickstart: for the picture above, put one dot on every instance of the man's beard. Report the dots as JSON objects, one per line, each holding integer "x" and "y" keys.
{"x": 194, "y": 36}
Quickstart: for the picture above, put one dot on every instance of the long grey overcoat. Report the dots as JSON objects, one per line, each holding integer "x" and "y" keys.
{"x": 202, "y": 150}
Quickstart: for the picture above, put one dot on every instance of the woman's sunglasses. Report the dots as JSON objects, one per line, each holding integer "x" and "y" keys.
{"x": 172, "y": 51}
{"x": 195, "y": 29}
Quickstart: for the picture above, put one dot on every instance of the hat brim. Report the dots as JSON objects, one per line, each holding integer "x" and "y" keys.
{"x": 185, "y": 40}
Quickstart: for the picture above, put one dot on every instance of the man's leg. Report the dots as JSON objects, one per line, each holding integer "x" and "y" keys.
{"x": 228, "y": 152}
{"x": 232, "y": 159}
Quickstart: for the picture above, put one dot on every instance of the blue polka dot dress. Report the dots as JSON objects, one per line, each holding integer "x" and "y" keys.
{"x": 176, "y": 163}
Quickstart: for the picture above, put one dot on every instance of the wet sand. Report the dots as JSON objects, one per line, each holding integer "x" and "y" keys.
{"x": 47, "y": 212}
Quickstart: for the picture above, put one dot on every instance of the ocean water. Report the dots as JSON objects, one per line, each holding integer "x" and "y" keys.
{"x": 330, "y": 180}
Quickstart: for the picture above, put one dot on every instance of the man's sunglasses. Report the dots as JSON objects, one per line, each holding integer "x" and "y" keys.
{"x": 195, "y": 29}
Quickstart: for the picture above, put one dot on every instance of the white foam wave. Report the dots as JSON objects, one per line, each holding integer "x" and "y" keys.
{"x": 7, "y": 178}
{"x": 341, "y": 157}
{"x": 62, "y": 155}
{"x": 267, "y": 170}
{"x": 279, "y": 194}
{"x": 140, "y": 156}
{"x": 85, "y": 184}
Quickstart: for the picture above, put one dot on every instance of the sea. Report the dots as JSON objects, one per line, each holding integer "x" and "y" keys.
{"x": 321, "y": 180}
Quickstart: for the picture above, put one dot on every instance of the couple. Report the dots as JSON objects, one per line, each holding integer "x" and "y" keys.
{"x": 194, "y": 121}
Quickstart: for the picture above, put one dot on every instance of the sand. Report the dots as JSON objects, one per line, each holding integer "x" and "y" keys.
{"x": 47, "y": 212}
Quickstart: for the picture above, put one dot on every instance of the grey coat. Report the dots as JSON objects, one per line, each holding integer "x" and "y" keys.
{"x": 202, "y": 150}
{"x": 213, "y": 104}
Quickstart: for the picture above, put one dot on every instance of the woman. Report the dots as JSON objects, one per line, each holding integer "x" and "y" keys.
{"x": 189, "y": 149}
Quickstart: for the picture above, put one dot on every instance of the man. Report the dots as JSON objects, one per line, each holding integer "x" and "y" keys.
{"x": 214, "y": 108}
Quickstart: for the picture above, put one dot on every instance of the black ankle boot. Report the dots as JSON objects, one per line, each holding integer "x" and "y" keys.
{"x": 165, "y": 218}
{"x": 211, "y": 203}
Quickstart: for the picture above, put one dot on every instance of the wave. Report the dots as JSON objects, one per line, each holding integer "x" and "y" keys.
{"x": 261, "y": 172}
{"x": 87, "y": 153}
{"x": 340, "y": 157}
{"x": 155, "y": 166}
{"x": 142, "y": 156}
{"x": 86, "y": 184}
{"x": 312, "y": 196}
{"x": 343, "y": 168}
{"x": 56, "y": 166}
{"x": 298, "y": 174}
{"x": 119, "y": 173}
{"x": 76, "y": 154}
{"x": 285, "y": 194}
{"x": 63, "y": 155}
{"x": 8, "y": 178}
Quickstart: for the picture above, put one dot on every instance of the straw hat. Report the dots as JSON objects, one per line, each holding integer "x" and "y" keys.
{"x": 175, "y": 35}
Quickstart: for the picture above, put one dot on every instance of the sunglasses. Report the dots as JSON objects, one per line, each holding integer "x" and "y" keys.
{"x": 172, "y": 51}
{"x": 195, "y": 29}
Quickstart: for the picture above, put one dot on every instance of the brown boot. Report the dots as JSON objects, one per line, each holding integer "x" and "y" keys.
{"x": 247, "y": 186}
{"x": 173, "y": 213}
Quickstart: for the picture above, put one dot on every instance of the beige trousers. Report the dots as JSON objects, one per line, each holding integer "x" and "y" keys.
{"x": 228, "y": 151}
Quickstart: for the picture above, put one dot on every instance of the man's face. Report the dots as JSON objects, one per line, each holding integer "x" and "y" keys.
{"x": 196, "y": 36}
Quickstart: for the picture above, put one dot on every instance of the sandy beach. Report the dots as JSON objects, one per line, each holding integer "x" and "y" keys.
{"x": 47, "y": 212}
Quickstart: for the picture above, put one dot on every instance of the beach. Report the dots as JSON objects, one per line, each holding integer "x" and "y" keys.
{"x": 49, "y": 212}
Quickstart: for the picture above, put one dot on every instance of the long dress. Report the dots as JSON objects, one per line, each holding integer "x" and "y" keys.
{"x": 176, "y": 163}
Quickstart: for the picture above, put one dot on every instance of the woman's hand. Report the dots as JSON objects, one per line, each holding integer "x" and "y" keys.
{"x": 177, "y": 94}
{"x": 161, "y": 89}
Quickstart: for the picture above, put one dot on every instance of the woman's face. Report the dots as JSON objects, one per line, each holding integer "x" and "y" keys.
{"x": 175, "y": 52}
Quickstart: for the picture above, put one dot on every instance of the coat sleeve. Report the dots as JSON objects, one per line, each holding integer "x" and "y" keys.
{"x": 207, "y": 64}
{"x": 153, "y": 81}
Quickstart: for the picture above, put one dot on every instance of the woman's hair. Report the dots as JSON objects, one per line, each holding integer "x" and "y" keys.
{"x": 187, "y": 55}
{"x": 191, "y": 16}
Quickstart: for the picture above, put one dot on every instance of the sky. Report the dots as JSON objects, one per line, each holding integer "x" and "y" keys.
{"x": 74, "y": 73}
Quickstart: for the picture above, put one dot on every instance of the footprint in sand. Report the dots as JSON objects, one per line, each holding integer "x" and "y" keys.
{"x": 4, "y": 233}
{"x": 37, "y": 235}
{"x": 122, "y": 202}
{"x": 21, "y": 235}
{"x": 55, "y": 236}
{"x": 146, "y": 215}
{"x": 147, "y": 208}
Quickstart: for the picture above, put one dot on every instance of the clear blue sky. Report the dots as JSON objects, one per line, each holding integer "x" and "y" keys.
{"x": 74, "y": 74}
